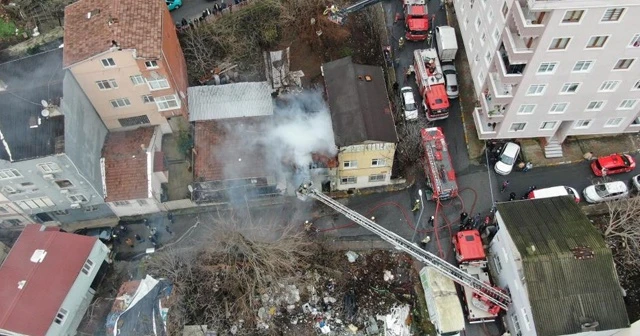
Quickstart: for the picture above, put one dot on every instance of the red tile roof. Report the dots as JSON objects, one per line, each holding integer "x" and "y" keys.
{"x": 31, "y": 310}
{"x": 125, "y": 163}
{"x": 136, "y": 24}
{"x": 222, "y": 153}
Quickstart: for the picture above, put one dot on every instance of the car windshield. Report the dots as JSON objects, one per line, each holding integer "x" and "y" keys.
{"x": 410, "y": 107}
{"x": 601, "y": 190}
{"x": 569, "y": 191}
{"x": 625, "y": 159}
{"x": 506, "y": 159}
{"x": 454, "y": 88}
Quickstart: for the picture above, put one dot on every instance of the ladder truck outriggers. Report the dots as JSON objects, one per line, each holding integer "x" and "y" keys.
{"x": 416, "y": 20}
{"x": 482, "y": 290}
{"x": 431, "y": 84}
{"x": 437, "y": 164}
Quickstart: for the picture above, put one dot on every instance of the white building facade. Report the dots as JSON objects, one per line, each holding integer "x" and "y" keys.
{"x": 552, "y": 69}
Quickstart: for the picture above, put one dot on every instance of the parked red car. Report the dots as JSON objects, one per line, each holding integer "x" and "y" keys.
{"x": 613, "y": 164}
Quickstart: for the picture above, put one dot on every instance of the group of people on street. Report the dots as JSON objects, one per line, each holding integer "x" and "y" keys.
{"x": 153, "y": 236}
{"x": 215, "y": 10}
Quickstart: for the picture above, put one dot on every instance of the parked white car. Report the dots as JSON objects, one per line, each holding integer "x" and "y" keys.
{"x": 555, "y": 192}
{"x": 605, "y": 192}
{"x": 636, "y": 182}
{"x": 507, "y": 158}
{"x": 451, "y": 80}
{"x": 409, "y": 103}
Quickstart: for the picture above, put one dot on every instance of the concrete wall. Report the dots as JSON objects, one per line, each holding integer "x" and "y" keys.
{"x": 363, "y": 155}
{"x": 136, "y": 207}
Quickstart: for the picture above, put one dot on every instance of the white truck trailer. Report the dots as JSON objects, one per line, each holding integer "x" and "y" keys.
{"x": 445, "y": 310}
{"x": 447, "y": 43}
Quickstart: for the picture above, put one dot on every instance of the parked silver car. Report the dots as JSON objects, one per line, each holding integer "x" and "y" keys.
{"x": 409, "y": 103}
{"x": 451, "y": 79}
{"x": 607, "y": 191}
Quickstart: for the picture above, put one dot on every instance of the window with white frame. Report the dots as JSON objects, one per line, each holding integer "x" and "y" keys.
{"x": 609, "y": 86}
{"x": 466, "y": 22}
{"x": 6, "y": 174}
{"x": 481, "y": 77}
{"x": 120, "y": 102}
{"x": 350, "y": 164}
{"x": 635, "y": 41}
{"x": 627, "y": 104}
{"x": 48, "y": 167}
{"x": 471, "y": 43}
{"x": 478, "y": 22}
{"x": 496, "y": 34}
{"x": 516, "y": 127}
{"x": 108, "y": 62}
{"x": 490, "y": 16}
{"x": 536, "y": 89}
{"x": 623, "y": 64}
{"x": 151, "y": 64}
{"x": 548, "y": 125}
{"x": 168, "y": 102}
{"x": 35, "y": 203}
{"x": 487, "y": 57}
{"x": 87, "y": 267}
{"x": 348, "y": 180}
{"x": 483, "y": 38}
{"x": 476, "y": 59}
{"x": 77, "y": 198}
{"x": 613, "y": 122}
{"x": 137, "y": 80}
{"x": 559, "y": 43}
{"x": 158, "y": 84}
{"x": 583, "y": 123}
{"x": 60, "y": 316}
{"x": 570, "y": 88}
{"x": 636, "y": 86}
{"x": 376, "y": 178}
{"x": 378, "y": 163}
{"x": 612, "y": 15}
{"x": 505, "y": 10}
{"x": 121, "y": 203}
{"x": 496, "y": 261}
{"x": 107, "y": 84}
{"x": 558, "y": 107}
{"x": 582, "y": 66}
{"x": 572, "y": 16}
{"x": 595, "y": 105}
{"x": 597, "y": 41}
{"x": 547, "y": 67}
{"x": 526, "y": 108}
{"x": 147, "y": 99}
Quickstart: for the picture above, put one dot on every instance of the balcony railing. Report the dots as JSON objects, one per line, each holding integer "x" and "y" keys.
{"x": 527, "y": 21}
{"x": 499, "y": 92}
{"x": 493, "y": 111}
{"x": 516, "y": 48}
{"x": 509, "y": 73}
{"x": 486, "y": 129}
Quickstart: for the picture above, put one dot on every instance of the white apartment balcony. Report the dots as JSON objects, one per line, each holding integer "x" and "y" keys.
{"x": 516, "y": 48}
{"x": 491, "y": 110}
{"x": 528, "y": 23}
{"x": 484, "y": 127}
{"x": 508, "y": 73}
{"x": 499, "y": 92}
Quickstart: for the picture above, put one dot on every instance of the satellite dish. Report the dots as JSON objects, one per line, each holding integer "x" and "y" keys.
{"x": 44, "y": 103}
{"x": 45, "y": 113}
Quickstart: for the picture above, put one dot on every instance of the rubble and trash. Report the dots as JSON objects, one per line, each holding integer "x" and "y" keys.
{"x": 352, "y": 256}
{"x": 395, "y": 323}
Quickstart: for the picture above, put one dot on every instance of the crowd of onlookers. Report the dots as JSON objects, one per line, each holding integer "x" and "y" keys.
{"x": 209, "y": 13}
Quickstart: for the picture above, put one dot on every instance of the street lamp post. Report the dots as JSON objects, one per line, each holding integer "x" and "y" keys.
{"x": 419, "y": 216}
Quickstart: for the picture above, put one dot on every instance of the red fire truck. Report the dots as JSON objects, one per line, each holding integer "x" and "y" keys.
{"x": 437, "y": 164}
{"x": 473, "y": 260}
{"x": 431, "y": 84}
{"x": 416, "y": 20}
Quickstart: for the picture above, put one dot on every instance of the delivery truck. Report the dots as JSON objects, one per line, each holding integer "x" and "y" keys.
{"x": 446, "y": 43}
{"x": 445, "y": 310}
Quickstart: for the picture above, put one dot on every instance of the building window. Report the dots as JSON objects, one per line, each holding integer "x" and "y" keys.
{"x": 132, "y": 121}
{"x": 483, "y": 38}
{"x": 61, "y": 212}
{"x": 496, "y": 35}
{"x": 481, "y": 77}
{"x": 147, "y": 99}
{"x": 570, "y": 88}
{"x": 121, "y": 203}
{"x": 6, "y": 174}
{"x": 547, "y": 67}
{"x": 169, "y": 102}
{"x": 548, "y": 125}
{"x": 623, "y": 64}
{"x": 3, "y": 210}
{"x": 49, "y": 167}
{"x": 64, "y": 184}
{"x": 13, "y": 222}
{"x": 377, "y": 163}
{"x": 627, "y": 104}
{"x": 582, "y": 66}
{"x": 496, "y": 261}
{"x": 376, "y": 178}
{"x": 505, "y": 10}
{"x": 151, "y": 64}
{"x": 471, "y": 43}
{"x": 559, "y": 43}
{"x": 583, "y": 123}
{"x": 107, "y": 84}
{"x": 487, "y": 57}
{"x": 558, "y": 107}
{"x": 536, "y": 89}
{"x": 516, "y": 324}
{"x": 158, "y": 84}
{"x": 108, "y": 62}
{"x": 90, "y": 208}
{"x": 609, "y": 86}
{"x": 613, "y": 122}
{"x": 572, "y": 16}
{"x": 490, "y": 16}
{"x": 120, "y": 102}
{"x": 350, "y": 164}
{"x": 612, "y": 15}
{"x": 475, "y": 61}
{"x": 348, "y": 180}
{"x": 142, "y": 202}
{"x": 478, "y": 23}
{"x": 526, "y": 108}
{"x": 137, "y": 80}
{"x": 636, "y": 86}
{"x": 60, "y": 316}
{"x": 635, "y": 41}
{"x": 466, "y": 22}
{"x": 35, "y": 203}
{"x": 87, "y": 267}
{"x": 516, "y": 127}
{"x": 77, "y": 198}
{"x": 595, "y": 105}
{"x": 597, "y": 41}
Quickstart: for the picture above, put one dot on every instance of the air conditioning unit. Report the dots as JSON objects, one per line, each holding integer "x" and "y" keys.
{"x": 48, "y": 176}
{"x": 75, "y": 206}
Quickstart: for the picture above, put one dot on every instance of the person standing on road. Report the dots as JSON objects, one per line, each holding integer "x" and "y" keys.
{"x": 401, "y": 42}
{"x": 463, "y": 216}
{"x": 396, "y": 86}
{"x": 527, "y": 167}
{"x": 432, "y": 219}
{"x": 129, "y": 242}
{"x": 416, "y": 206}
{"x": 505, "y": 184}
{"x": 512, "y": 196}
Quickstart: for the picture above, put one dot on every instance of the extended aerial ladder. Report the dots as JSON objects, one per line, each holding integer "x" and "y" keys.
{"x": 495, "y": 295}
{"x": 339, "y": 16}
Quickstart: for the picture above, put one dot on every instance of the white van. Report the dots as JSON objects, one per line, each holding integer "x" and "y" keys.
{"x": 555, "y": 191}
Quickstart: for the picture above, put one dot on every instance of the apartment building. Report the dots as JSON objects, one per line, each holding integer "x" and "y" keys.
{"x": 552, "y": 69}
{"x": 127, "y": 58}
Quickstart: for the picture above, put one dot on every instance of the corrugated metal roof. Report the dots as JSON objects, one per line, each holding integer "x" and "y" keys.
{"x": 564, "y": 291}
{"x": 238, "y": 100}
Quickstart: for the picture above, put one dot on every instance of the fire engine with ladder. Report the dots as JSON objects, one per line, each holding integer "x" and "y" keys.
{"x": 416, "y": 20}
{"x": 484, "y": 296}
{"x": 431, "y": 84}
{"x": 437, "y": 165}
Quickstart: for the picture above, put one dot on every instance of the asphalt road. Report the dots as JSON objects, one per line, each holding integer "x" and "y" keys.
{"x": 193, "y": 8}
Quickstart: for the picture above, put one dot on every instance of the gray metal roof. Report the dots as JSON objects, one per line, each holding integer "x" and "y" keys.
{"x": 564, "y": 291}
{"x": 237, "y": 100}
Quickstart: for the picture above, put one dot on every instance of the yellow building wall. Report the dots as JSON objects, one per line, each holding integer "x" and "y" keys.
{"x": 365, "y": 154}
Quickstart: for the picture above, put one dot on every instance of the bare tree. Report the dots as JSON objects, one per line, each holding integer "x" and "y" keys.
{"x": 623, "y": 228}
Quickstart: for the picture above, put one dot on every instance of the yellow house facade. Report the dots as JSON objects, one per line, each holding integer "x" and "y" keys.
{"x": 366, "y": 165}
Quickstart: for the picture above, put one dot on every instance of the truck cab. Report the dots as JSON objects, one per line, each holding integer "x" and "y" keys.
{"x": 416, "y": 18}
{"x": 436, "y": 103}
